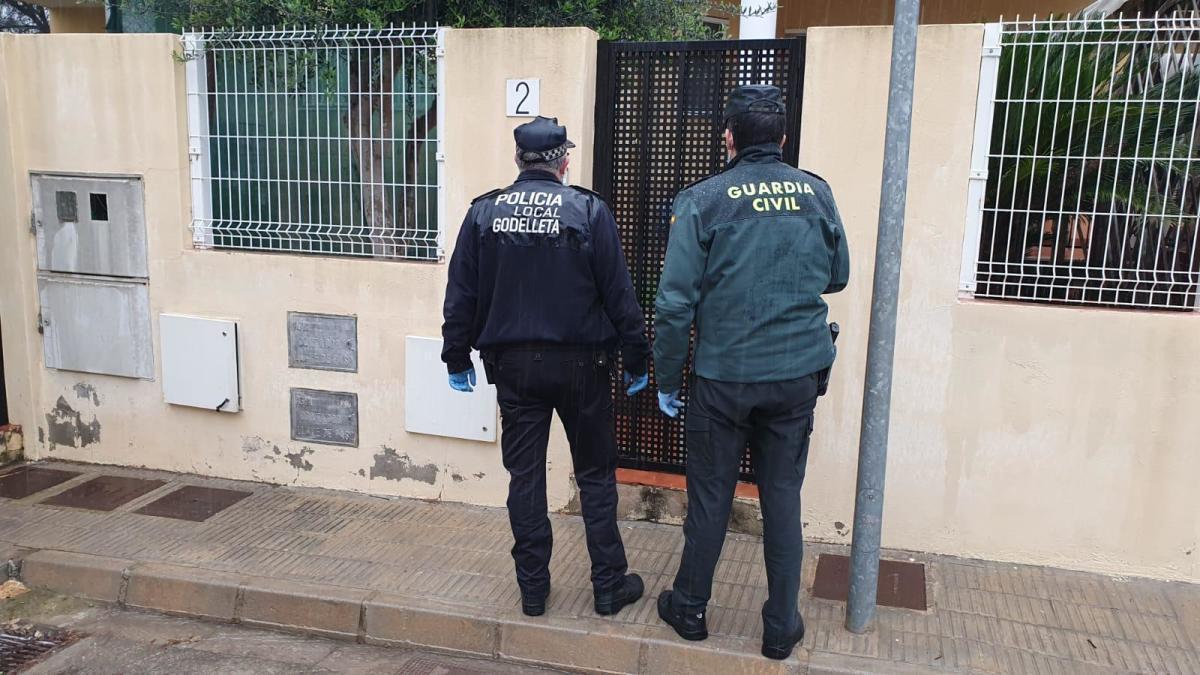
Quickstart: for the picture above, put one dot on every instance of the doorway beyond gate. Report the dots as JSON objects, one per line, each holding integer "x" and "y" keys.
{"x": 659, "y": 128}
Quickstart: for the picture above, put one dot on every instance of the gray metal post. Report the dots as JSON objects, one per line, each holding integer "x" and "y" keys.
{"x": 877, "y": 396}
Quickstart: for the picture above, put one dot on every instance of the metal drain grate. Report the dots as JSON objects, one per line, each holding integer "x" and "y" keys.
{"x": 20, "y": 647}
{"x": 27, "y": 480}
{"x": 193, "y": 502}
{"x": 901, "y": 584}
{"x": 105, "y": 493}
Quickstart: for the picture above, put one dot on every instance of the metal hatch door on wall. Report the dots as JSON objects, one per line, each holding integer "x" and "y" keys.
{"x": 95, "y": 325}
{"x": 90, "y": 225}
{"x": 659, "y": 127}
{"x": 92, "y": 274}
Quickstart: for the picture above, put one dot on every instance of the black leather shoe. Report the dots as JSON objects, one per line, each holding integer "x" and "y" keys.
{"x": 781, "y": 649}
{"x": 629, "y": 592}
{"x": 534, "y": 604}
{"x": 689, "y": 626}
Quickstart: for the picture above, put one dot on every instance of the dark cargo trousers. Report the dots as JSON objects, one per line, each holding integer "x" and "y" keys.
{"x": 530, "y": 386}
{"x": 776, "y": 419}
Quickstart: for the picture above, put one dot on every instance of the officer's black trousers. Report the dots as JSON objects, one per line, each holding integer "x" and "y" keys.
{"x": 776, "y": 420}
{"x": 577, "y": 385}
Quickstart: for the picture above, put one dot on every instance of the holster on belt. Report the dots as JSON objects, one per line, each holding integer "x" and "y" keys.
{"x": 489, "y": 365}
{"x": 823, "y": 375}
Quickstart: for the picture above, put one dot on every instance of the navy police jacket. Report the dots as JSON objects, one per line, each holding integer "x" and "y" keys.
{"x": 539, "y": 263}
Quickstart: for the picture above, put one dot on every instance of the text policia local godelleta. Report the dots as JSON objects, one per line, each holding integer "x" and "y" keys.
{"x": 533, "y": 213}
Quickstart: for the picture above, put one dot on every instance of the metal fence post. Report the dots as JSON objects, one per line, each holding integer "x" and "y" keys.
{"x": 877, "y": 394}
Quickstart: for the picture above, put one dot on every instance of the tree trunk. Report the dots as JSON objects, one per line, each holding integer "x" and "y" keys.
{"x": 371, "y": 149}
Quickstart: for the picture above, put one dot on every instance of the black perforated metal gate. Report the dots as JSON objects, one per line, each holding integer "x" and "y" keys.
{"x": 658, "y": 128}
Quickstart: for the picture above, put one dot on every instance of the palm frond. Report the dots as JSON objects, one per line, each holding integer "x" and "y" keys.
{"x": 1094, "y": 120}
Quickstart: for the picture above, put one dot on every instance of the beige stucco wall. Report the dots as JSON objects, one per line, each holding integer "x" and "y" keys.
{"x": 1029, "y": 433}
{"x": 101, "y": 119}
{"x": 1034, "y": 434}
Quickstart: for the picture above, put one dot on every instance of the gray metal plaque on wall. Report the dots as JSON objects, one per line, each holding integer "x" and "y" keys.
{"x": 327, "y": 417}
{"x": 323, "y": 342}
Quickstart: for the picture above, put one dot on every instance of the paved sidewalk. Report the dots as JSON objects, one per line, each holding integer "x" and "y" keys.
{"x": 115, "y": 641}
{"x": 435, "y": 575}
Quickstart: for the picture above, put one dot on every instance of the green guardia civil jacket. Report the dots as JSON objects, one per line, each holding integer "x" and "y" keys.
{"x": 751, "y": 251}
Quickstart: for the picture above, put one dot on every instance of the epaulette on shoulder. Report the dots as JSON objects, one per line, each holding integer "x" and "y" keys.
{"x": 815, "y": 176}
{"x": 485, "y": 195}
{"x": 586, "y": 191}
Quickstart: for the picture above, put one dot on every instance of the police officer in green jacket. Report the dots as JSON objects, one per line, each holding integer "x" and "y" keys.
{"x": 751, "y": 251}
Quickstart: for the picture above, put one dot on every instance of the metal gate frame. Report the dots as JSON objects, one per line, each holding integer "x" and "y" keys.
{"x": 646, "y": 439}
{"x": 3, "y": 391}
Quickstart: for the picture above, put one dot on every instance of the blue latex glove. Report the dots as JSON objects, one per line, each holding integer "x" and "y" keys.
{"x": 636, "y": 383}
{"x": 464, "y": 381}
{"x": 669, "y": 403}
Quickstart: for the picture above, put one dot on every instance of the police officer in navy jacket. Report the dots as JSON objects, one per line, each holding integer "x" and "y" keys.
{"x": 538, "y": 284}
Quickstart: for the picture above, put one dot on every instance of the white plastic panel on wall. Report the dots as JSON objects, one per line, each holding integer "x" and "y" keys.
{"x": 96, "y": 325}
{"x": 90, "y": 225}
{"x": 432, "y": 407}
{"x": 200, "y": 362}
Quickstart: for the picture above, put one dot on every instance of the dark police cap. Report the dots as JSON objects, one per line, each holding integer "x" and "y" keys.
{"x": 542, "y": 140}
{"x": 762, "y": 98}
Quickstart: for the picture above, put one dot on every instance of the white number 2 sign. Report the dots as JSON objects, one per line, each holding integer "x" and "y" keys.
{"x": 523, "y": 98}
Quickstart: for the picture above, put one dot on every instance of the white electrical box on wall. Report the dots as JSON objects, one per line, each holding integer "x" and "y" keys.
{"x": 432, "y": 407}
{"x": 200, "y": 362}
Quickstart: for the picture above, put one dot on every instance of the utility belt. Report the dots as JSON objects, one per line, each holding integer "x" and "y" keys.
{"x": 823, "y": 375}
{"x": 602, "y": 356}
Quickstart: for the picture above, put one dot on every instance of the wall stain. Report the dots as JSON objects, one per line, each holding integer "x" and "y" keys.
{"x": 479, "y": 475}
{"x": 65, "y": 426}
{"x": 252, "y": 445}
{"x": 296, "y": 459}
{"x": 362, "y": 472}
{"x": 457, "y": 477}
{"x": 41, "y": 436}
{"x": 391, "y": 466}
{"x": 85, "y": 391}
{"x": 841, "y": 528}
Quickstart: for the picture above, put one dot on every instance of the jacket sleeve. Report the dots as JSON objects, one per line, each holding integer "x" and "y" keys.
{"x": 839, "y": 272}
{"x": 616, "y": 290}
{"x": 462, "y": 292}
{"x": 678, "y": 292}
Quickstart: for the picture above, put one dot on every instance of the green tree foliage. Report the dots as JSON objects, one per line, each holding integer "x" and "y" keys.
{"x": 612, "y": 19}
{"x": 23, "y": 17}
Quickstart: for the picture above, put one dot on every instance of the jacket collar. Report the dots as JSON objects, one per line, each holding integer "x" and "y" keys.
{"x": 763, "y": 153}
{"x": 537, "y": 174}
